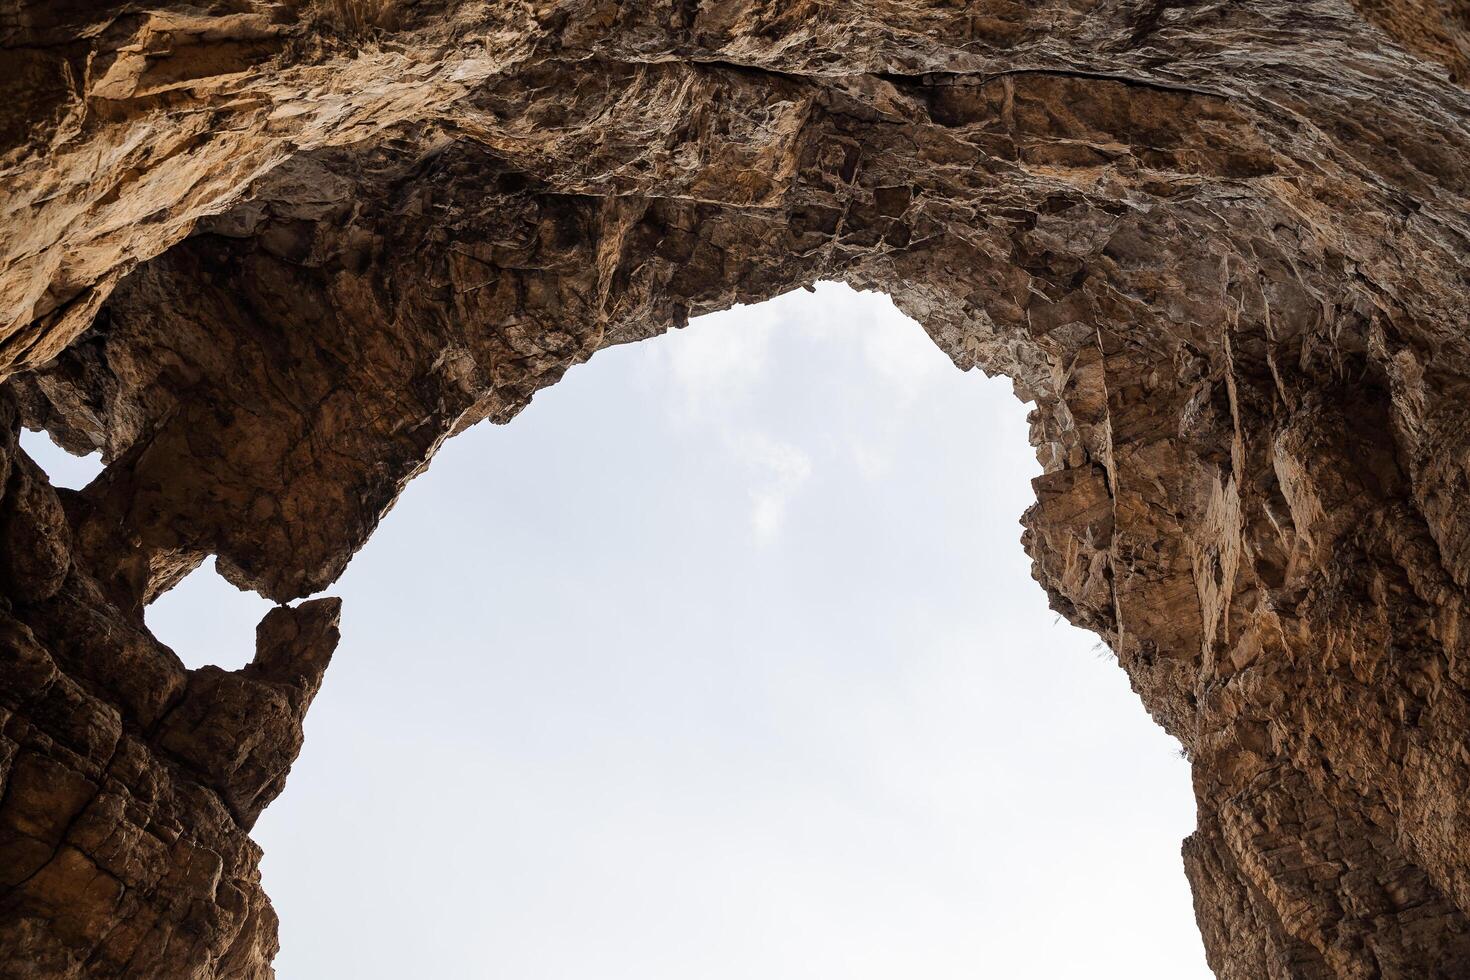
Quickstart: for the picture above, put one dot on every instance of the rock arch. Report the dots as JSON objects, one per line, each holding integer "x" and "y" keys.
{"x": 269, "y": 255}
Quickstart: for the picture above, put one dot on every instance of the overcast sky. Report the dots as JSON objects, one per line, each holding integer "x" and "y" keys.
{"x": 722, "y": 661}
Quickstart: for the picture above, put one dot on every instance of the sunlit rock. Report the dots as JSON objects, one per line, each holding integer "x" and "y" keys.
{"x": 268, "y": 256}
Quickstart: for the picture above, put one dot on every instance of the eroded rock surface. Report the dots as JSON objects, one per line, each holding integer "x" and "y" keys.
{"x": 267, "y": 256}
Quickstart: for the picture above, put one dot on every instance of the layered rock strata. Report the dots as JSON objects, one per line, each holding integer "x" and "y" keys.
{"x": 267, "y": 256}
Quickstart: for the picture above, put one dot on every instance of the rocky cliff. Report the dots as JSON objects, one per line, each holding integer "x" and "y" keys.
{"x": 266, "y": 255}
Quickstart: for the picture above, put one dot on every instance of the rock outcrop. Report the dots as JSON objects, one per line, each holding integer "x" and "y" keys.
{"x": 266, "y": 255}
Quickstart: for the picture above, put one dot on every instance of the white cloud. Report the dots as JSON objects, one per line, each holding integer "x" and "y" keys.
{"x": 715, "y": 361}
{"x": 837, "y": 312}
{"x": 782, "y": 471}
{"x": 902, "y": 355}
{"x": 872, "y": 461}
{"x": 710, "y": 368}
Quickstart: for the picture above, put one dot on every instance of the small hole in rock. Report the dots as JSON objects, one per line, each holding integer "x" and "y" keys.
{"x": 62, "y": 468}
{"x": 206, "y": 620}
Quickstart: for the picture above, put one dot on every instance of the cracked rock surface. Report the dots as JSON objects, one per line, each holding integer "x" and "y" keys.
{"x": 268, "y": 256}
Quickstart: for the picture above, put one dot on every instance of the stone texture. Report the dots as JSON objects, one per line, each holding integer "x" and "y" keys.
{"x": 267, "y": 256}
{"x": 131, "y": 783}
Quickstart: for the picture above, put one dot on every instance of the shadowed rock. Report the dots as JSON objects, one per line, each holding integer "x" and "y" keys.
{"x": 268, "y": 256}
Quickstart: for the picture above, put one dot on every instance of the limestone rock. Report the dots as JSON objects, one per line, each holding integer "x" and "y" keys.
{"x": 267, "y": 255}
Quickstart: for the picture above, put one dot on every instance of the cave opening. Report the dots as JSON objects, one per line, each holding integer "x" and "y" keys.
{"x": 723, "y": 658}
{"x": 203, "y": 618}
{"x": 62, "y": 468}
{"x": 272, "y": 258}
{"x": 206, "y": 620}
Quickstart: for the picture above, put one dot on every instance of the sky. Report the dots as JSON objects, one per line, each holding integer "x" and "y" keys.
{"x": 722, "y": 660}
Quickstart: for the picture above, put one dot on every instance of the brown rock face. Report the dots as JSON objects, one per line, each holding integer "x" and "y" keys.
{"x": 267, "y": 256}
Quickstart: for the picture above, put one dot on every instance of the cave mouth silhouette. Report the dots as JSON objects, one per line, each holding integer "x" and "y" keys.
{"x": 270, "y": 261}
{"x": 634, "y": 650}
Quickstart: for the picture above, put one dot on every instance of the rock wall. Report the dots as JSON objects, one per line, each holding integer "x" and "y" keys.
{"x": 267, "y": 256}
